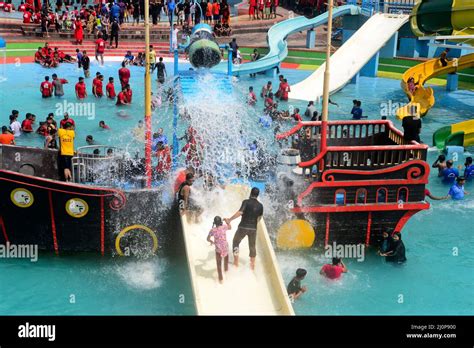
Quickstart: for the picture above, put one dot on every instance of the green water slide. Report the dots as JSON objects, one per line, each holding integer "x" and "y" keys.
{"x": 458, "y": 134}
{"x": 443, "y": 17}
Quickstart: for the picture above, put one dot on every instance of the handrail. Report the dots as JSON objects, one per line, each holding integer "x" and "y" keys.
{"x": 371, "y": 128}
{"x": 300, "y": 125}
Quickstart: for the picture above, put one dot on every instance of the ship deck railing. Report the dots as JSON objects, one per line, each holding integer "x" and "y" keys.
{"x": 361, "y": 145}
{"x": 102, "y": 168}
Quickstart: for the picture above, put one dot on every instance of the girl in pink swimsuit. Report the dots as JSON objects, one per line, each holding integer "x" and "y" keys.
{"x": 218, "y": 232}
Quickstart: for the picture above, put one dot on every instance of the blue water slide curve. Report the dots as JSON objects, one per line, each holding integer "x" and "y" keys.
{"x": 276, "y": 39}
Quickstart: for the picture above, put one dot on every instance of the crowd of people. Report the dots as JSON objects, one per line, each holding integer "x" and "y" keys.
{"x": 51, "y": 58}
{"x": 450, "y": 175}
{"x": 263, "y": 9}
{"x": 107, "y": 17}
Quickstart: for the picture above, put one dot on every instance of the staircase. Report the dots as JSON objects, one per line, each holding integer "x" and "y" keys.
{"x": 128, "y": 32}
{"x": 10, "y": 31}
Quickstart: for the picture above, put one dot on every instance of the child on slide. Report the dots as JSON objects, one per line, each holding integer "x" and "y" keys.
{"x": 218, "y": 232}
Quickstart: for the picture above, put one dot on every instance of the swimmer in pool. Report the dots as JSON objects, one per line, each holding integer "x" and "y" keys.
{"x": 386, "y": 242}
{"x": 396, "y": 253}
{"x": 450, "y": 173}
{"x": 440, "y": 163}
{"x": 333, "y": 270}
{"x": 294, "y": 288}
{"x": 457, "y": 192}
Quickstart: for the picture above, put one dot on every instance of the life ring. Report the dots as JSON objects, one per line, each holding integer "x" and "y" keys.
{"x": 135, "y": 227}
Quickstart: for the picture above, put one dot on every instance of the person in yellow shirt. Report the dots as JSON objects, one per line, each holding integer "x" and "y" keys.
{"x": 152, "y": 55}
{"x": 66, "y": 137}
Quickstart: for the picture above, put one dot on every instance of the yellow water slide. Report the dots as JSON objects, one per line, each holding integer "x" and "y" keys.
{"x": 422, "y": 100}
{"x": 453, "y": 19}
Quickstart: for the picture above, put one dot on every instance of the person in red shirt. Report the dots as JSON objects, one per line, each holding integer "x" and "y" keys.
{"x": 39, "y": 56}
{"x": 27, "y": 17}
{"x": 7, "y": 138}
{"x": 97, "y": 89}
{"x": 8, "y": 8}
{"x": 278, "y": 93}
{"x": 122, "y": 97}
{"x": 252, "y": 7}
{"x": 65, "y": 120}
{"x": 52, "y": 19}
{"x": 45, "y": 50}
{"x": 22, "y": 7}
{"x": 182, "y": 178}
{"x": 269, "y": 103}
{"x": 46, "y": 88}
{"x": 216, "y": 10}
{"x": 124, "y": 75}
{"x": 296, "y": 115}
{"x": 55, "y": 60}
{"x": 128, "y": 94}
{"x": 27, "y": 124}
{"x": 103, "y": 125}
{"x": 100, "y": 49}
{"x": 78, "y": 31}
{"x": 164, "y": 160}
{"x": 251, "y": 97}
{"x": 335, "y": 270}
{"x": 81, "y": 92}
{"x": 192, "y": 155}
{"x": 110, "y": 89}
{"x": 285, "y": 89}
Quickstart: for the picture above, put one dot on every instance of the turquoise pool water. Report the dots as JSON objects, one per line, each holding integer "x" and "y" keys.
{"x": 433, "y": 281}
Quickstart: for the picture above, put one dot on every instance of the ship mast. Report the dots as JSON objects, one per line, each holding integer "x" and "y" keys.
{"x": 326, "y": 83}
{"x": 148, "y": 169}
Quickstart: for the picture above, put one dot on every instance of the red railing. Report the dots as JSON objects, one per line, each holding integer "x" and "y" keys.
{"x": 368, "y": 156}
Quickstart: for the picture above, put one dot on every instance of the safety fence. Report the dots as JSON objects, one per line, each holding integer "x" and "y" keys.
{"x": 370, "y": 7}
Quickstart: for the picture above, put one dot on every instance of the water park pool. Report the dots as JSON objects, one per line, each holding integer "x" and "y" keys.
{"x": 437, "y": 240}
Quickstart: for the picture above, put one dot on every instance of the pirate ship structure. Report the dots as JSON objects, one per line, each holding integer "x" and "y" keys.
{"x": 370, "y": 178}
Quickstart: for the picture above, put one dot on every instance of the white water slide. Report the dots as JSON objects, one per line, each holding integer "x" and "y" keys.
{"x": 244, "y": 292}
{"x": 351, "y": 57}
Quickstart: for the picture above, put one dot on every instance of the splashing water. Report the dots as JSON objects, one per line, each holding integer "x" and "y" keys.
{"x": 142, "y": 275}
{"x": 229, "y": 142}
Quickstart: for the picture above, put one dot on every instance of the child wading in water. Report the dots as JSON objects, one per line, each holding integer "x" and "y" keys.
{"x": 218, "y": 231}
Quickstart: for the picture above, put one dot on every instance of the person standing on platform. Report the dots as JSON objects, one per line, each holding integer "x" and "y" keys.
{"x": 251, "y": 212}
{"x": 66, "y": 140}
{"x": 114, "y": 33}
{"x": 411, "y": 128}
{"x": 100, "y": 49}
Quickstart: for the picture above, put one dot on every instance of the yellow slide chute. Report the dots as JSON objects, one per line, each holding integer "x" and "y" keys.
{"x": 422, "y": 100}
